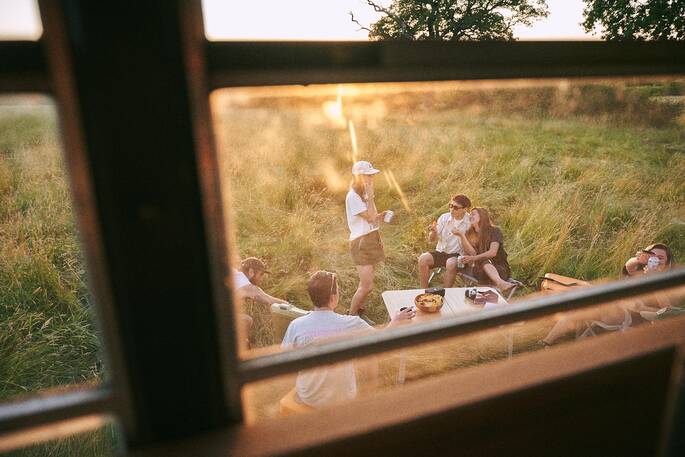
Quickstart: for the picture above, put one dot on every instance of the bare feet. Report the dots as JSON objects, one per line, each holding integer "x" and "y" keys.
{"x": 506, "y": 286}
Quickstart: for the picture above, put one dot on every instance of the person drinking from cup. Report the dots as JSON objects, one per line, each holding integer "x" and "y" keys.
{"x": 448, "y": 245}
{"x": 653, "y": 258}
{"x": 363, "y": 221}
{"x": 484, "y": 246}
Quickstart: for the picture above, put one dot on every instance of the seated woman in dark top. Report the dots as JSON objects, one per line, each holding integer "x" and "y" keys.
{"x": 484, "y": 246}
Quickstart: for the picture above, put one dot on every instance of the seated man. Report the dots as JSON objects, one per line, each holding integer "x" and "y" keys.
{"x": 246, "y": 285}
{"x": 336, "y": 383}
{"x": 448, "y": 244}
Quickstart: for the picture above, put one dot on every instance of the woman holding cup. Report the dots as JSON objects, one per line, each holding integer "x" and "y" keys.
{"x": 363, "y": 220}
{"x": 653, "y": 258}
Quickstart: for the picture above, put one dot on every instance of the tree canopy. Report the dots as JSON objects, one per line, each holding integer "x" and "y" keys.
{"x": 636, "y": 19}
{"x": 452, "y": 19}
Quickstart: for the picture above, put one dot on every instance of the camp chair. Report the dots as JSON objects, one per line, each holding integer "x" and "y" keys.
{"x": 592, "y": 327}
{"x": 434, "y": 272}
{"x": 281, "y": 316}
{"x": 289, "y": 405}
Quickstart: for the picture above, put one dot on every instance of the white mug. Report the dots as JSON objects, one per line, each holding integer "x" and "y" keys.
{"x": 388, "y": 216}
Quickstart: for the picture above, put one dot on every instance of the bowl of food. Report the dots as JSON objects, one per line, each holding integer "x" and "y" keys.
{"x": 428, "y": 303}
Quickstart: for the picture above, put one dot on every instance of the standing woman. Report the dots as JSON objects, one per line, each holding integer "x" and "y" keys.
{"x": 363, "y": 221}
{"x": 484, "y": 246}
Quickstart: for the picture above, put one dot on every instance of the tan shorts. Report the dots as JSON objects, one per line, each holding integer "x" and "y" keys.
{"x": 367, "y": 249}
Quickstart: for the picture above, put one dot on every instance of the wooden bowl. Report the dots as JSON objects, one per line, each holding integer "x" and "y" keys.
{"x": 428, "y": 303}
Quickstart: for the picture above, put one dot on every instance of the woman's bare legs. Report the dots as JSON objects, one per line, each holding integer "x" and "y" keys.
{"x": 364, "y": 289}
{"x": 569, "y": 322}
{"x": 500, "y": 283}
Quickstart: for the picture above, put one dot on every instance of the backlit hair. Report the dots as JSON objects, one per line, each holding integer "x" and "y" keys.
{"x": 321, "y": 286}
{"x": 462, "y": 200}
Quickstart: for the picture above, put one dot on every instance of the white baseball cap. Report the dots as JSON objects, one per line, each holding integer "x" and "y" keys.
{"x": 363, "y": 168}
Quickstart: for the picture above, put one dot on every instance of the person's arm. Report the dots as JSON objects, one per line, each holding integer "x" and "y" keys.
{"x": 466, "y": 244}
{"x": 433, "y": 232}
{"x": 633, "y": 266}
{"x": 489, "y": 254}
{"x": 370, "y": 214}
{"x": 401, "y": 316}
{"x": 258, "y": 295}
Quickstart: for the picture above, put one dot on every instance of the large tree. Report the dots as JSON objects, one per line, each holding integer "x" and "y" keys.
{"x": 636, "y": 19}
{"x": 452, "y": 19}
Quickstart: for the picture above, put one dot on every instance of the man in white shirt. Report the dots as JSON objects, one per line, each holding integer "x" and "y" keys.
{"x": 246, "y": 283}
{"x": 448, "y": 244}
{"x": 335, "y": 383}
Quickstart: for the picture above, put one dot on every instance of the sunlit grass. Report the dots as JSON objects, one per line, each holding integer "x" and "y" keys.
{"x": 575, "y": 193}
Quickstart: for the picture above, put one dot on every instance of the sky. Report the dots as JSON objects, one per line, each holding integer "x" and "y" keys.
{"x": 298, "y": 20}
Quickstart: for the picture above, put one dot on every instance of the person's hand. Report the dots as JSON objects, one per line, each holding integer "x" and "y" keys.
{"x": 468, "y": 258}
{"x": 405, "y": 314}
{"x": 458, "y": 233}
{"x": 433, "y": 227}
{"x": 368, "y": 189}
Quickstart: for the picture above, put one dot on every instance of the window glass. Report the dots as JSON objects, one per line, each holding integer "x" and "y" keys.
{"x": 92, "y": 436}
{"x": 19, "y": 20}
{"x": 581, "y": 181}
{"x": 47, "y": 334}
{"x": 363, "y": 378}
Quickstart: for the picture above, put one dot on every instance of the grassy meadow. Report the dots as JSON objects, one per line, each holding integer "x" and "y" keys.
{"x": 578, "y": 176}
{"x": 47, "y": 336}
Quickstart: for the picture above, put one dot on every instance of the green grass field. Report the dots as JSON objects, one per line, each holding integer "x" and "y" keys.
{"x": 574, "y": 193}
{"x": 577, "y": 176}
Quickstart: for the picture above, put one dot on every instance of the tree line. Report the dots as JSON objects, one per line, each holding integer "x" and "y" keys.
{"x": 460, "y": 20}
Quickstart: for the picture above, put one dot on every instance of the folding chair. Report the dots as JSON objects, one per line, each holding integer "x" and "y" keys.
{"x": 434, "y": 272}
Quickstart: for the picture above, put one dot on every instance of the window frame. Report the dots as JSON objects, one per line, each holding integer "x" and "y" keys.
{"x": 211, "y": 65}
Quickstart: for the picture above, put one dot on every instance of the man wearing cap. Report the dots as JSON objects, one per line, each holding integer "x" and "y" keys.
{"x": 363, "y": 221}
{"x": 246, "y": 285}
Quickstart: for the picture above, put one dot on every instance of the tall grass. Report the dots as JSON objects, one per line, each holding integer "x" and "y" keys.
{"x": 47, "y": 335}
{"x": 578, "y": 182}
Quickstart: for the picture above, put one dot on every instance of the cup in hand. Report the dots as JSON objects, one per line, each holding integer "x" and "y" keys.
{"x": 388, "y": 215}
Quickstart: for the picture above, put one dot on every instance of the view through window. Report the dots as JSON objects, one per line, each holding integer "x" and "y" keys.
{"x": 48, "y": 339}
{"x": 582, "y": 178}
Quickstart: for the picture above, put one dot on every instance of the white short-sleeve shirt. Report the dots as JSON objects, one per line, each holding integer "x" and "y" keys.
{"x": 448, "y": 242}
{"x": 354, "y": 205}
{"x": 334, "y": 384}
{"x": 239, "y": 279}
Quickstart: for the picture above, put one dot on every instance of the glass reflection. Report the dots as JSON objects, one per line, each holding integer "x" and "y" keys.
{"x": 332, "y": 385}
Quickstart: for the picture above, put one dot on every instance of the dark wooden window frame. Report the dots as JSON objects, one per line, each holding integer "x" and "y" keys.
{"x": 134, "y": 207}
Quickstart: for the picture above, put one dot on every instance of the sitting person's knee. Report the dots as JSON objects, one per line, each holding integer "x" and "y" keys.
{"x": 426, "y": 259}
{"x": 451, "y": 264}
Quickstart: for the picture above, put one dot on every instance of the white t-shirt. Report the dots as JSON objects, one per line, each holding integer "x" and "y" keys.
{"x": 332, "y": 384}
{"x": 448, "y": 242}
{"x": 239, "y": 279}
{"x": 358, "y": 225}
